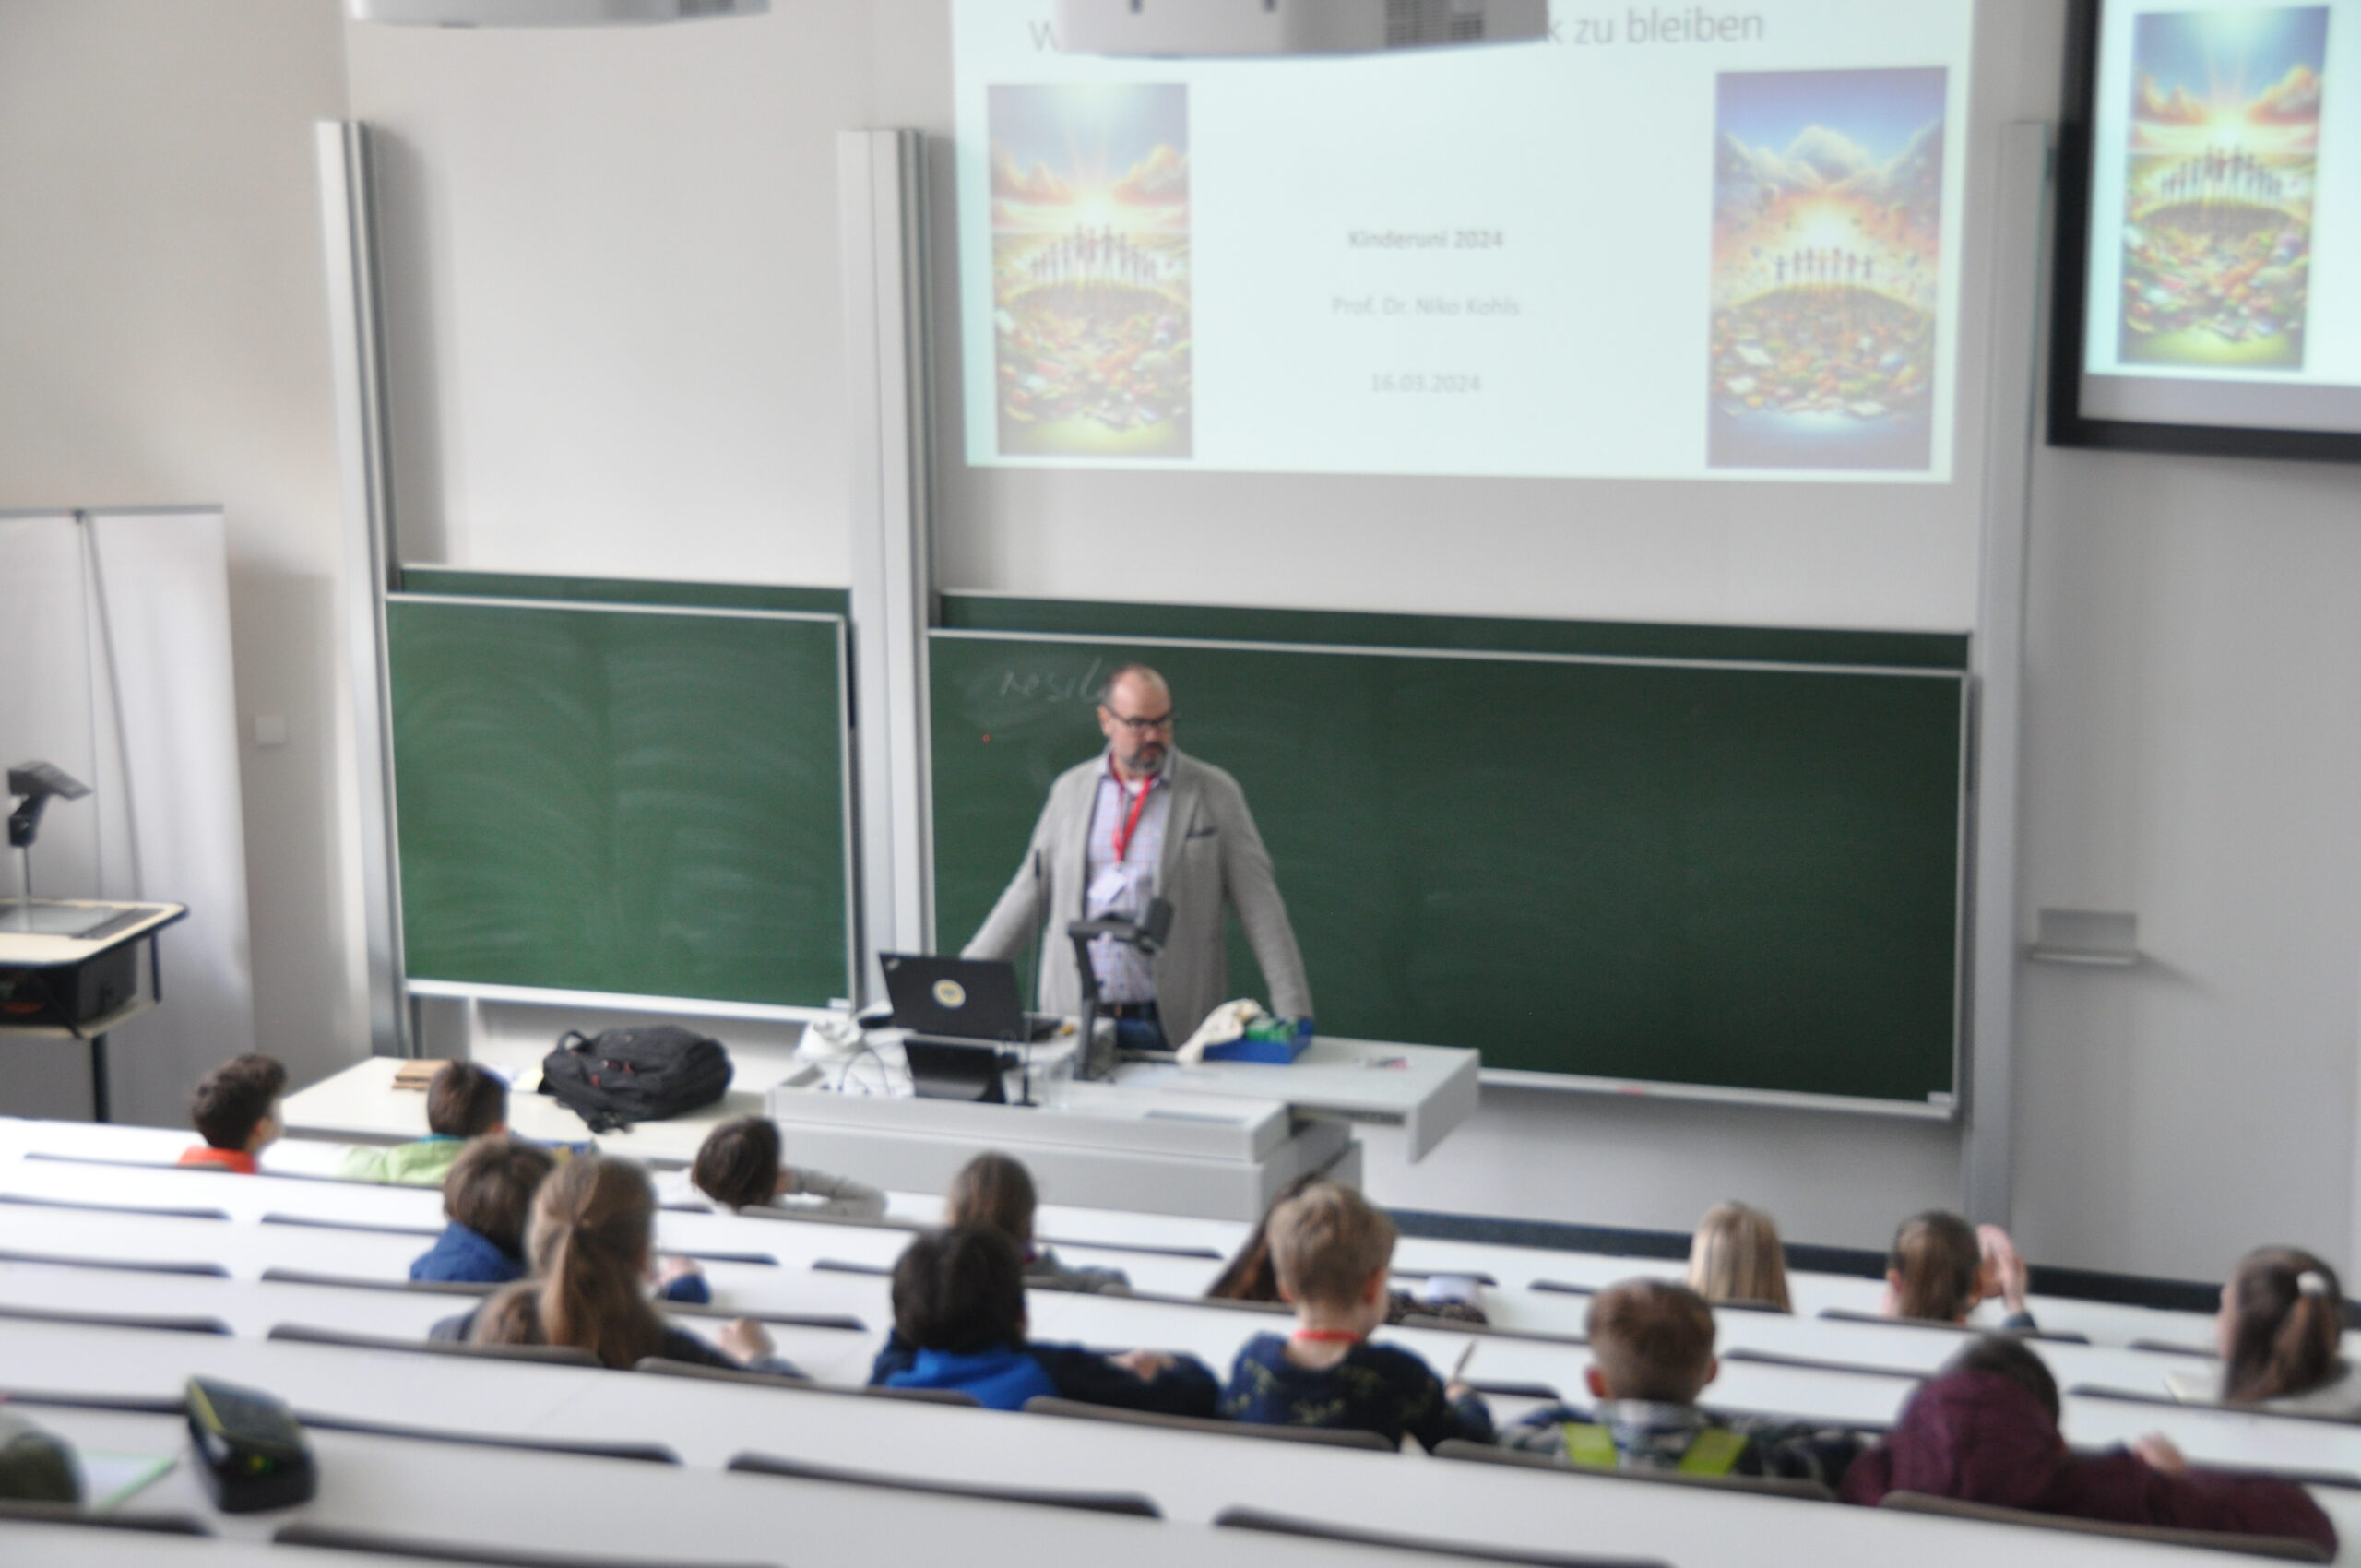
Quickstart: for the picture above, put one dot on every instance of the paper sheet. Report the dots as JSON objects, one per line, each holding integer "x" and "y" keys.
{"x": 109, "y": 1480}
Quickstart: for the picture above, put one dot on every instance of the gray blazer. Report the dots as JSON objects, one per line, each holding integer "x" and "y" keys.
{"x": 1212, "y": 856}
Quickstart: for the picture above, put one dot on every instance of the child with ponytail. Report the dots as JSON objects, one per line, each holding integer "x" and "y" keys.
{"x": 2281, "y": 1320}
{"x": 590, "y": 1244}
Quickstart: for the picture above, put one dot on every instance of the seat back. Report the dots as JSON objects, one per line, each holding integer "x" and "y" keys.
{"x": 1128, "y": 1503}
{"x": 664, "y": 1368}
{"x": 357, "y": 1282}
{"x": 1324, "y": 1437}
{"x": 15, "y": 1511}
{"x": 1288, "y": 1525}
{"x": 643, "y": 1453}
{"x": 2287, "y": 1547}
{"x": 331, "y": 1537}
{"x": 1762, "y": 1486}
{"x": 557, "y": 1355}
{"x": 143, "y": 1211}
{"x": 115, "y": 1320}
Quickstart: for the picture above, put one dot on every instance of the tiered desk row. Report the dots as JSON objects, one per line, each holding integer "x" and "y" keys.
{"x": 119, "y": 1277}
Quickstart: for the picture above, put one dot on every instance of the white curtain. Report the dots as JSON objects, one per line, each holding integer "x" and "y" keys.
{"x": 115, "y": 664}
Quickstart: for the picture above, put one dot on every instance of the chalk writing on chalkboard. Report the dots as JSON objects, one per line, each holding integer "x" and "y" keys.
{"x": 1044, "y": 687}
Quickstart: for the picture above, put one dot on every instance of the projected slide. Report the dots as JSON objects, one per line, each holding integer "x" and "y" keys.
{"x": 1090, "y": 270}
{"x": 2221, "y": 166}
{"x": 1828, "y": 226}
{"x": 1674, "y": 242}
{"x": 2218, "y": 160}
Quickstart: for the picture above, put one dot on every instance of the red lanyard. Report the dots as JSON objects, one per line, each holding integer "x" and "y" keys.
{"x": 1327, "y": 1335}
{"x": 1131, "y": 822}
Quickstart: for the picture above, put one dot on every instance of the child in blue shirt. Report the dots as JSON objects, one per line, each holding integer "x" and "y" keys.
{"x": 959, "y": 1324}
{"x": 1332, "y": 1249}
{"x": 488, "y": 1197}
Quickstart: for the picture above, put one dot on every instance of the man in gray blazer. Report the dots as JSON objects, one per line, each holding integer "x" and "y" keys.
{"x": 1136, "y": 822}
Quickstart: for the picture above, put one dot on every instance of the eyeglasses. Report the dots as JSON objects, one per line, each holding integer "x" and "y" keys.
{"x": 1143, "y": 725}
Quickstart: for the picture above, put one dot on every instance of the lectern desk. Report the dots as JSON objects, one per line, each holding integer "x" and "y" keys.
{"x": 69, "y": 969}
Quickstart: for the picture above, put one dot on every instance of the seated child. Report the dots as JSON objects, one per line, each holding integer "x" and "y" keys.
{"x": 487, "y": 1198}
{"x": 1986, "y": 1431}
{"x": 1942, "y": 1268}
{"x": 1651, "y": 1355}
{"x": 1249, "y": 1276}
{"x": 738, "y": 1166}
{"x": 959, "y": 1324}
{"x": 1735, "y": 1257}
{"x": 2279, "y": 1331}
{"x": 591, "y": 1244}
{"x": 235, "y": 1108}
{"x": 995, "y": 1189}
{"x": 464, "y": 1101}
{"x": 1331, "y": 1247}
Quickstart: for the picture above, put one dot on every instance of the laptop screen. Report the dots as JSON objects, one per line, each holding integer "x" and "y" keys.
{"x": 960, "y": 997}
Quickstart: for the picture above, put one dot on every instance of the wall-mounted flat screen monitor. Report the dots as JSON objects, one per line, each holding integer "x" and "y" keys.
{"x": 2210, "y": 248}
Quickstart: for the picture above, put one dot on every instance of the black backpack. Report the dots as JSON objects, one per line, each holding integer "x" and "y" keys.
{"x": 620, "y": 1077}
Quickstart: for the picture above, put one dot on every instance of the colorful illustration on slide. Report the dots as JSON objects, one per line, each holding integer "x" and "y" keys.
{"x": 1090, "y": 270}
{"x": 1828, "y": 226}
{"x": 2218, "y": 183}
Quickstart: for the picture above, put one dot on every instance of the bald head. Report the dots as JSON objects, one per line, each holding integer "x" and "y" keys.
{"x": 1136, "y": 715}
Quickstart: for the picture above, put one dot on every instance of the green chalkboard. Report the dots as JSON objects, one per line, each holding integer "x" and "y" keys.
{"x": 1741, "y": 874}
{"x": 637, "y": 800}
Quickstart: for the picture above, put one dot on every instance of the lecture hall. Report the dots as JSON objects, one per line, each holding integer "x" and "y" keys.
{"x": 812, "y": 782}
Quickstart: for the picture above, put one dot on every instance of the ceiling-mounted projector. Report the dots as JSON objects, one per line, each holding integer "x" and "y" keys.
{"x": 546, "y": 13}
{"x": 1292, "y": 26}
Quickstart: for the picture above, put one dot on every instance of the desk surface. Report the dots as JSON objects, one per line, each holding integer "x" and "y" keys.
{"x": 361, "y": 1103}
{"x": 37, "y": 950}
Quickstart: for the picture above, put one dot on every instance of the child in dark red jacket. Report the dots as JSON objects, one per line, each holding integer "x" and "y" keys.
{"x": 1986, "y": 1431}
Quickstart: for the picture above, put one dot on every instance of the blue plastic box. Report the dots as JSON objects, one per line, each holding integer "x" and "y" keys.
{"x": 1275, "y": 1052}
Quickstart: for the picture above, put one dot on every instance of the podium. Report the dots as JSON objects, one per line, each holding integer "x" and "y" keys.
{"x": 1218, "y": 1141}
{"x": 69, "y": 969}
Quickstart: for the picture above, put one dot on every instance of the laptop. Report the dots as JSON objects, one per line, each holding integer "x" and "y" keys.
{"x": 959, "y": 1013}
{"x": 960, "y": 999}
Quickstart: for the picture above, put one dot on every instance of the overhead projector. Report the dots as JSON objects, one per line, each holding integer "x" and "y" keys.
{"x": 1193, "y": 28}
{"x": 546, "y": 13}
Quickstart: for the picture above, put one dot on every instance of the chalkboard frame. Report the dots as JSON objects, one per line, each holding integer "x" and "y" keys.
{"x": 998, "y": 618}
{"x": 540, "y": 592}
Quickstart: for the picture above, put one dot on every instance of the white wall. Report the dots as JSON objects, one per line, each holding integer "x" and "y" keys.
{"x": 2194, "y": 757}
{"x": 163, "y": 324}
{"x": 610, "y": 263}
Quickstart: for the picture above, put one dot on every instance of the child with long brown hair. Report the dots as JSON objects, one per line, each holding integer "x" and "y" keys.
{"x": 2282, "y": 1318}
{"x": 1941, "y": 1268}
{"x": 591, "y": 1244}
